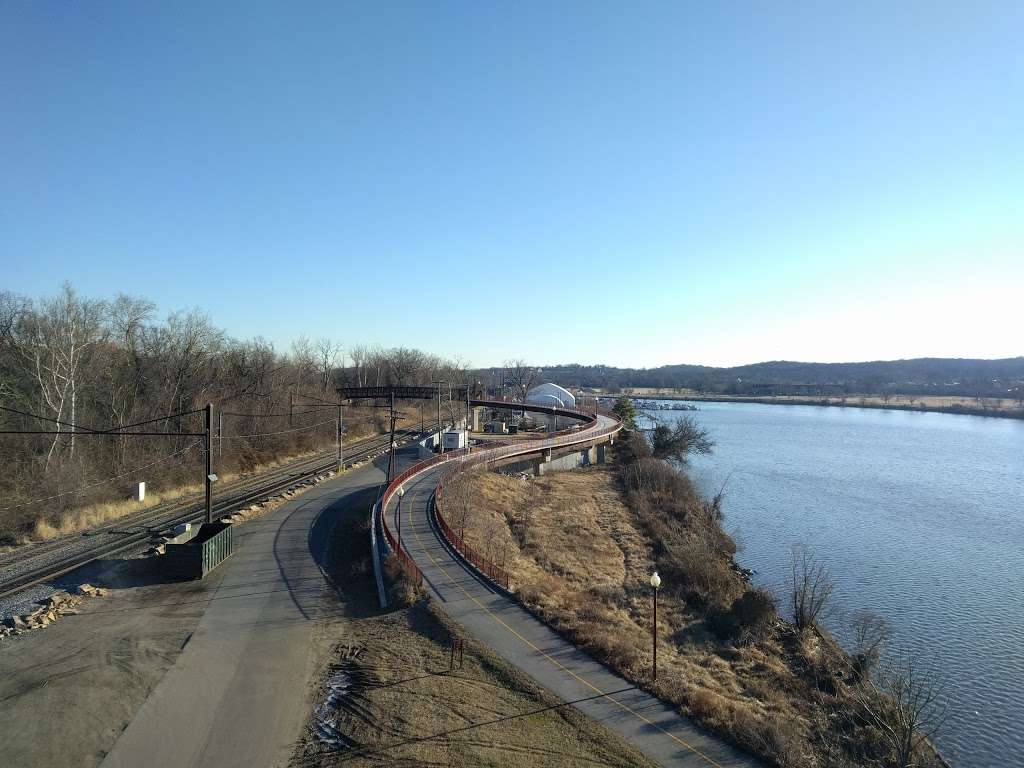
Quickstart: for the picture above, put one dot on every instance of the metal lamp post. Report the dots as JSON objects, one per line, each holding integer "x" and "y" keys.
{"x": 401, "y": 493}
{"x": 655, "y": 582}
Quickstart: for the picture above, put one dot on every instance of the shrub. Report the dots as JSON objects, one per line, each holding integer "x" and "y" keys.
{"x": 747, "y": 620}
{"x": 404, "y": 587}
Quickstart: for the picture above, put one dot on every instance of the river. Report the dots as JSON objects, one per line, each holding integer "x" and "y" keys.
{"x": 918, "y": 516}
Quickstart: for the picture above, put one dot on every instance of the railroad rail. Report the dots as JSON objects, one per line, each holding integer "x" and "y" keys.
{"x": 35, "y": 564}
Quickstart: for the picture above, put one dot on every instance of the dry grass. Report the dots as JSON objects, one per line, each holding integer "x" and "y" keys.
{"x": 405, "y": 707}
{"x": 581, "y": 556}
{"x": 84, "y": 518}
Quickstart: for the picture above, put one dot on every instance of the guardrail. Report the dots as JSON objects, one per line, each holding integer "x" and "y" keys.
{"x": 573, "y": 436}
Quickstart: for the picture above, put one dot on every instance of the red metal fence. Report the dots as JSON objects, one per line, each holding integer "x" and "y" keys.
{"x": 592, "y": 434}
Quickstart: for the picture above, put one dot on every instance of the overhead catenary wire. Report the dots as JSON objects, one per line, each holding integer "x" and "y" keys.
{"x": 105, "y": 480}
{"x": 153, "y": 421}
{"x": 282, "y": 432}
{"x": 78, "y": 429}
{"x": 45, "y": 418}
{"x": 273, "y": 415}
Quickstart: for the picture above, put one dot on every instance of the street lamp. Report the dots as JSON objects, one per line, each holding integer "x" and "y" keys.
{"x": 655, "y": 582}
{"x": 401, "y": 493}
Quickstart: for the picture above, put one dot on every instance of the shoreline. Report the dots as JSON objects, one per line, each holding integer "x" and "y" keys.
{"x": 826, "y": 403}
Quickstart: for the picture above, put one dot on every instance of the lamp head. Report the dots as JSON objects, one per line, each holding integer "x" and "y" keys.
{"x": 655, "y": 580}
{"x": 401, "y": 490}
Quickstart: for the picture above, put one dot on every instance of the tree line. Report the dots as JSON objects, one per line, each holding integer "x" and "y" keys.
{"x": 924, "y": 376}
{"x": 99, "y": 364}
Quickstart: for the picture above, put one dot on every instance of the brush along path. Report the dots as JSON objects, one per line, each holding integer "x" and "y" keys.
{"x": 522, "y": 639}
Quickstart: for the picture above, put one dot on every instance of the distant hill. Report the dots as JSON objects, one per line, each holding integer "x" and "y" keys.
{"x": 927, "y": 375}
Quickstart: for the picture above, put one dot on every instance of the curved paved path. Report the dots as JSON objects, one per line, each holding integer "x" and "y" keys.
{"x": 236, "y": 696}
{"x": 515, "y": 634}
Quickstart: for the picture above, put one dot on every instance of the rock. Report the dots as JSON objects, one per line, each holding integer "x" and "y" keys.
{"x": 88, "y": 590}
{"x": 55, "y": 600}
{"x": 15, "y": 623}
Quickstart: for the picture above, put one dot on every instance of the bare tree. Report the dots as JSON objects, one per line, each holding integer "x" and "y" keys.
{"x": 54, "y": 344}
{"x": 870, "y": 634}
{"x": 359, "y": 354}
{"x": 906, "y": 708}
{"x": 679, "y": 441}
{"x": 811, "y": 588}
{"x": 521, "y": 376}
{"x": 327, "y": 360}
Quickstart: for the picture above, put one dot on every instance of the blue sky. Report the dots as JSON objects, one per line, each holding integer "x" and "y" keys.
{"x": 628, "y": 183}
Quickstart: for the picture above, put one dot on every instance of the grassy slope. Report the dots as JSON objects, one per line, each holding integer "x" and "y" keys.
{"x": 581, "y": 559}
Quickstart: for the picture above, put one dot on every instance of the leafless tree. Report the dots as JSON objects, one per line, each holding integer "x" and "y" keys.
{"x": 907, "y": 709}
{"x": 811, "y": 588}
{"x": 327, "y": 353}
{"x": 677, "y": 442}
{"x": 359, "y": 355}
{"x": 521, "y": 376}
{"x": 870, "y": 634}
{"x": 54, "y": 344}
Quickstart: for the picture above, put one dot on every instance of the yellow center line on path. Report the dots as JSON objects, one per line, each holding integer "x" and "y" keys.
{"x": 547, "y": 656}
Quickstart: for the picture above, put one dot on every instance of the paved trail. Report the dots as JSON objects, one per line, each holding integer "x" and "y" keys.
{"x": 236, "y": 696}
{"x": 657, "y": 729}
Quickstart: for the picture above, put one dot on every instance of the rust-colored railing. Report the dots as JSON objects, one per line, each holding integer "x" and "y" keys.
{"x": 491, "y": 570}
{"x": 592, "y": 433}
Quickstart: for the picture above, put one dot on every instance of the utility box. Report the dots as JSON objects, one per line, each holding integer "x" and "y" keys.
{"x": 454, "y": 439}
{"x": 193, "y": 559}
{"x": 478, "y": 418}
{"x": 140, "y": 492}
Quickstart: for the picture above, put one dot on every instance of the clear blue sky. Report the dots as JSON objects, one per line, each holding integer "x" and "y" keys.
{"x": 630, "y": 183}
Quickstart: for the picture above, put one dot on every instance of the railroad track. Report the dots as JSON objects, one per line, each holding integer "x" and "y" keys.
{"x": 35, "y": 564}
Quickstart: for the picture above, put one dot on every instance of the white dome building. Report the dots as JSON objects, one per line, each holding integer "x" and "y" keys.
{"x": 551, "y": 395}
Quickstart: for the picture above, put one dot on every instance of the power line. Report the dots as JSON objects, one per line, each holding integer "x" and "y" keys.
{"x": 153, "y": 421}
{"x": 45, "y": 418}
{"x": 282, "y": 432}
{"x": 78, "y": 429}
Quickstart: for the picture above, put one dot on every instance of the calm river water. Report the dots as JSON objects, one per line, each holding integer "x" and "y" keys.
{"x": 918, "y": 516}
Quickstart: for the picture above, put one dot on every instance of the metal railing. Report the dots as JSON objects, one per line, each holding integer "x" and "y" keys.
{"x": 591, "y": 434}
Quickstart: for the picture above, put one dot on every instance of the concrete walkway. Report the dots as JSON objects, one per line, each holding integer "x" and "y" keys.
{"x": 237, "y": 694}
{"x": 515, "y": 634}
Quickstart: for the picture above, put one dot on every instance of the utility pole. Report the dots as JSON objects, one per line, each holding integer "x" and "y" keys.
{"x": 341, "y": 449}
{"x": 391, "y": 456}
{"x": 209, "y": 462}
{"x": 440, "y": 441}
{"x": 291, "y": 407}
{"x": 220, "y": 433}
